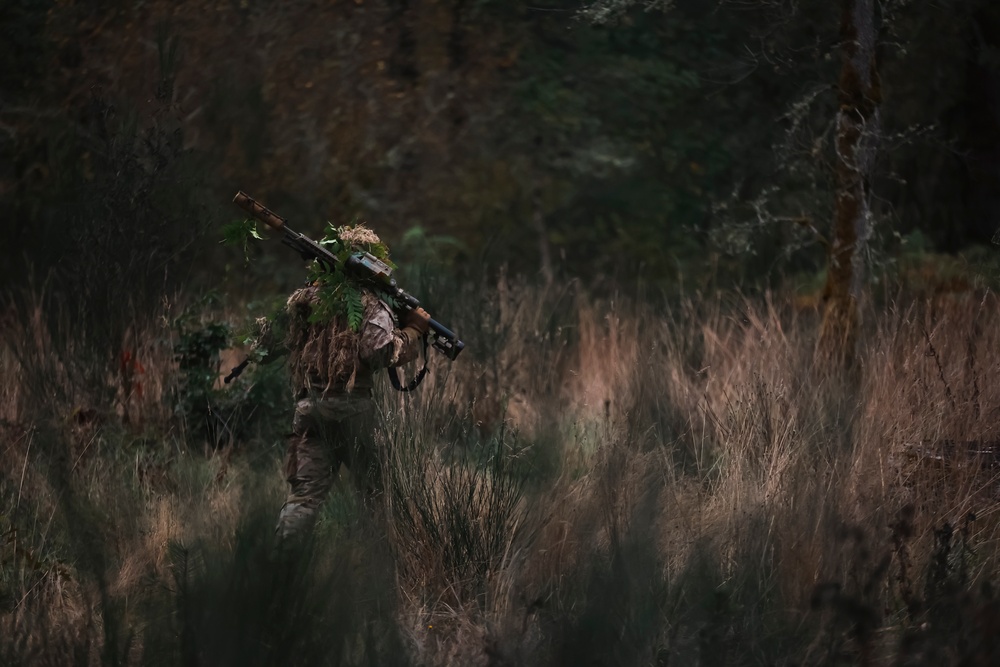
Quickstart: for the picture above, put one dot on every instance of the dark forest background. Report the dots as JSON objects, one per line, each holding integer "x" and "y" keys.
{"x": 690, "y": 142}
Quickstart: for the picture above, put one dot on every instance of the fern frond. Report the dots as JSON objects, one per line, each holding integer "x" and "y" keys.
{"x": 355, "y": 308}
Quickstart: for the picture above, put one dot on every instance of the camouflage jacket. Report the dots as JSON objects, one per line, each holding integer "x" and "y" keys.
{"x": 329, "y": 359}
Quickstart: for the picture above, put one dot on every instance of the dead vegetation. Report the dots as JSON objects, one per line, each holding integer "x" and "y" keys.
{"x": 594, "y": 480}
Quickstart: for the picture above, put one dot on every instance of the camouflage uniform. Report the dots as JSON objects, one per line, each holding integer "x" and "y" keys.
{"x": 332, "y": 370}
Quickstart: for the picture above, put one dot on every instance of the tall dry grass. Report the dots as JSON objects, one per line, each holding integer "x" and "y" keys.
{"x": 721, "y": 492}
{"x": 595, "y": 481}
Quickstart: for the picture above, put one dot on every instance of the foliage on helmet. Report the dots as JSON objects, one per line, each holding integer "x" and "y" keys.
{"x": 339, "y": 295}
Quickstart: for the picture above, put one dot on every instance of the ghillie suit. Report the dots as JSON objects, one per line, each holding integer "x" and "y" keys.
{"x": 332, "y": 365}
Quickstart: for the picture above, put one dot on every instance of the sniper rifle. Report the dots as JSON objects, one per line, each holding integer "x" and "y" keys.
{"x": 364, "y": 267}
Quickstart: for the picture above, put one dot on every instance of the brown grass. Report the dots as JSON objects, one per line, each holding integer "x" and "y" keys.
{"x": 619, "y": 481}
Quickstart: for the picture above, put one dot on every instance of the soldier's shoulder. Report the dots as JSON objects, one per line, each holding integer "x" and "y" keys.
{"x": 373, "y": 301}
{"x": 377, "y": 311}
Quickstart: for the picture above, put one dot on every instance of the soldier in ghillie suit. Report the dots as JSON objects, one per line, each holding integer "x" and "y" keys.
{"x": 337, "y": 334}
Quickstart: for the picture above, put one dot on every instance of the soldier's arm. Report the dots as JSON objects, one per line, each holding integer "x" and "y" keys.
{"x": 267, "y": 341}
{"x": 415, "y": 325}
{"x": 383, "y": 343}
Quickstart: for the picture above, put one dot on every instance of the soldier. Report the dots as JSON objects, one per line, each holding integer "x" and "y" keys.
{"x": 332, "y": 370}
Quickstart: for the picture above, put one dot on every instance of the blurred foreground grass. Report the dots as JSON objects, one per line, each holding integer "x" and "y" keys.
{"x": 611, "y": 482}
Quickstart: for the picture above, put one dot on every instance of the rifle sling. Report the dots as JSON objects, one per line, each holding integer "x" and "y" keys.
{"x": 417, "y": 379}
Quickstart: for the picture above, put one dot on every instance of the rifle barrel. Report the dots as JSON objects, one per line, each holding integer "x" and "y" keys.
{"x": 259, "y": 211}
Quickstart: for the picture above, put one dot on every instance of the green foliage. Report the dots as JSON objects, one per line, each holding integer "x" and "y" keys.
{"x": 264, "y": 335}
{"x": 339, "y": 294}
{"x": 255, "y": 404}
{"x": 197, "y": 354}
{"x": 422, "y": 247}
{"x": 355, "y": 309}
{"x": 239, "y": 233}
{"x": 614, "y": 159}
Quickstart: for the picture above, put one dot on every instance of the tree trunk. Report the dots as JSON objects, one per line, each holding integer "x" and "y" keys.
{"x": 544, "y": 253}
{"x": 859, "y": 95}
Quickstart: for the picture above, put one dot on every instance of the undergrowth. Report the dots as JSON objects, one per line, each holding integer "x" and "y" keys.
{"x": 613, "y": 482}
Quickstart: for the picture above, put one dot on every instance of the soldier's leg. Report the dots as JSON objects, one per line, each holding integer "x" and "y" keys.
{"x": 308, "y": 469}
{"x": 355, "y": 440}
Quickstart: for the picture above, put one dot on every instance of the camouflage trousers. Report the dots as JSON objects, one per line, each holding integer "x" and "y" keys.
{"x": 326, "y": 433}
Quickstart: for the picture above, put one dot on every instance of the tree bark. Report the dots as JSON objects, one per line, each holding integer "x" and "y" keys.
{"x": 857, "y": 127}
